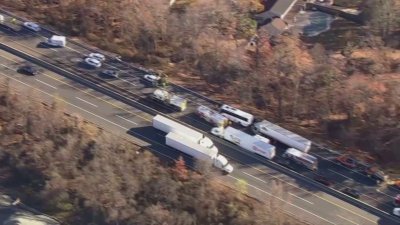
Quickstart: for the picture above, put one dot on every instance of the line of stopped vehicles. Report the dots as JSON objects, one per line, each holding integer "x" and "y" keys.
{"x": 226, "y": 120}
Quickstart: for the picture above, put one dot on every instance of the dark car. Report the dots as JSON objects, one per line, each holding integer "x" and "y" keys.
{"x": 110, "y": 73}
{"x": 28, "y": 69}
{"x": 347, "y": 161}
{"x": 351, "y": 192}
{"x": 286, "y": 163}
{"x": 323, "y": 180}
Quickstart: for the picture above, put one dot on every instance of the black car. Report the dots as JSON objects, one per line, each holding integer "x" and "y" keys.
{"x": 323, "y": 180}
{"x": 28, "y": 69}
{"x": 286, "y": 163}
{"x": 351, "y": 192}
{"x": 110, "y": 73}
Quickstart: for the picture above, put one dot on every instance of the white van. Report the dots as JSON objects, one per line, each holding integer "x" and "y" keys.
{"x": 57, "y": 41}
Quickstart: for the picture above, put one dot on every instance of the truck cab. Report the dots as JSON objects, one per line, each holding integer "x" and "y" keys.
{"x": 222, "y": 163}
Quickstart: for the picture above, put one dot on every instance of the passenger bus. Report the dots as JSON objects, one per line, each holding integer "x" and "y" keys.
{"x": 236, "y": 115}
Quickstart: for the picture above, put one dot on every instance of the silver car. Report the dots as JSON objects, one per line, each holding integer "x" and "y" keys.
{"x": 93, "y": 62}
{"x": 32, "y": 26}
{"x": 97, "y": 56}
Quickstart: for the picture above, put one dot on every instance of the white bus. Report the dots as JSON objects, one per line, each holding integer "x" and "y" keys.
{"x": 236, "y": 115}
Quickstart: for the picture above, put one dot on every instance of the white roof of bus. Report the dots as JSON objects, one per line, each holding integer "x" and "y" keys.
{"x": 285, "y": 132}
{"x": 237, "y": 111}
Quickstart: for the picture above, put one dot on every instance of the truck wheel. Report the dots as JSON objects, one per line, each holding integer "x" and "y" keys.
{"x": 254, "y": 129}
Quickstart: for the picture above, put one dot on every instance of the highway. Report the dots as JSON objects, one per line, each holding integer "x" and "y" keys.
{"x": 302, "y": 199}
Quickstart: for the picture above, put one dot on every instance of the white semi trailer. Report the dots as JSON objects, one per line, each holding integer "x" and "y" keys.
{"x": 302, "y": 158}
{"x": 282, "y": 135}
{"x": 197, "y": 151}
{"x": 167, "y": 125}
{"x": 212, "y": 116}
{"x": 257, "y": 144}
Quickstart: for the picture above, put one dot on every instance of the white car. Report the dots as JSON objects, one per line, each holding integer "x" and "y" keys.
{"x": 93, "y": 62}
{"x": 32, "y": 26}
{"x": 152, "y": 79}
{"x": 396, "y": 212}
{"x": 97, "y": 56}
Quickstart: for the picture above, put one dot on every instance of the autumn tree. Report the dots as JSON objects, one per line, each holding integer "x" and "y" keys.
{"x": 383, "y": 16}
{"x": 180, "y": 169}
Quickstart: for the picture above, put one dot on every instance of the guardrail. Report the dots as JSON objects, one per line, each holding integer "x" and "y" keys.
{"x": 334, "y": 192}
{"x": 138, "y": 68}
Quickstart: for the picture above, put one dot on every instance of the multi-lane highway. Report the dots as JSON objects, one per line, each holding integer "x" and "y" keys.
{"x": 133, "y": 120}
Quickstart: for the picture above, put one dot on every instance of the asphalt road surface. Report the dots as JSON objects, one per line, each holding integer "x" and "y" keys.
{"x": 299, "y": 198}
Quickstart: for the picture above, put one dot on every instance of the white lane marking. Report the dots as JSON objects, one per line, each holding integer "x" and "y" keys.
{"x": 301, "y": 198}
{"x": 264, "y": 173}
{"x": 130, "y": 121}
{"x": 69, "y": 85}
{"x": 385, "y": 193}
{"x": 324, "y": 199}
{"x": 366, "y": 195}
{"x": 287, "y": 181}
{"x": 348, "y": 220}
{"x": 128, "y": 82}
{"x": 255, "y": 177}
{"x": 141, "y": 135}
{"x": 45, "y": 83}
{"x": 83, "y": 100}
{"x": 8, "y": 67}
{"x": 54, "y": 96}
{"x": 341, "y": 174}
{"x": 289, "y": 203}
{"x": 73, "y": 49}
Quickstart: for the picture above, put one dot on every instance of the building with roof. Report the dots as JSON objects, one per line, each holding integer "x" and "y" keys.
{"x": 273, "y": 19}
{"x": 276, "y": 27}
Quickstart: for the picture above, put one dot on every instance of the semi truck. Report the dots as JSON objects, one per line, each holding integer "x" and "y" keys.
{"x": 282, "y": 135}
{"x": 167, "y": 125}
{"x": 169, "y": 99}
{"x": 212, "y": 116}
{"x": 301, "y": 158}
{"x": 256, "y": 144}
{"x": 197, "y": 151}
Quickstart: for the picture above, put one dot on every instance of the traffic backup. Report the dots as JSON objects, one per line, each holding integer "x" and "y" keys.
{"x": 298, "y": 146}
{"x": 191, "y": 142}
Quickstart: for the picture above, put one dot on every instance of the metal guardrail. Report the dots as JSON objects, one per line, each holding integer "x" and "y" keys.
{"x": 138, "y": 68}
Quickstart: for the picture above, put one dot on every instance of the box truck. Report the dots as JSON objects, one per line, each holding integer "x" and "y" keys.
{"x": 9, "y": 24}
{"x": 197, "y": 151}
{"x": 282, "y": 135}
{"x": 57, "y": 41}
{"x": 167, "y": 125}
{"x": 212, "y": 116}
{"x": 257, "y": 144}
{"x": 301, "y": 158}
{"x": 169, "y": 99}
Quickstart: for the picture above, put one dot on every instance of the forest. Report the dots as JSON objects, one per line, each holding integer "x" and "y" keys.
{"x": 64, "y": 166}
{"x": 342, "y": 86}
